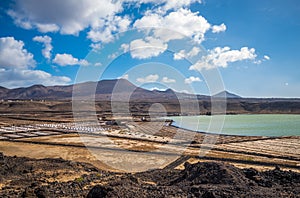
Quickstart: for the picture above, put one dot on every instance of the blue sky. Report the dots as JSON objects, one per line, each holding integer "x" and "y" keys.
{"x": 186, "y": 45}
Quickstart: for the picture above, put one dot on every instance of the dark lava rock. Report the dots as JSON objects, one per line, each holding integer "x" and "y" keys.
{"x": 210, "y": 173}
{"x": 29, "y": 192}
{"x": 208, "y": 194}
{"x": 41, "y": 192}
{"x": 1, "y": 156}
{"x": 273, "y": 177}
{"x": 40, "y": 178}
{"x": 98, "y": 191}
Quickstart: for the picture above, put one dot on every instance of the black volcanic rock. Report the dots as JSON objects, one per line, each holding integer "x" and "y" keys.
{"x": 98, "y": 191}
{"x": 36, "y": 178}
{"x": 211, "y": 173}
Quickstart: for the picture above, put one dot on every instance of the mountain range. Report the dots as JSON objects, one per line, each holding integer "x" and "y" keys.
{"x": 103, "y": 90}
{"x": 59, "y": 99}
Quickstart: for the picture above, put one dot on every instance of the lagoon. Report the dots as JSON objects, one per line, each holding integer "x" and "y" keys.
{"x": 246, "y": 125}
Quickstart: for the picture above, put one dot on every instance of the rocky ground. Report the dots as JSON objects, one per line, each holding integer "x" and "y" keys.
{"x": 25, "y": 177}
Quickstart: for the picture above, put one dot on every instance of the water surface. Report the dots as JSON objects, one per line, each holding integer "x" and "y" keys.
{"x": 248, "y": 125}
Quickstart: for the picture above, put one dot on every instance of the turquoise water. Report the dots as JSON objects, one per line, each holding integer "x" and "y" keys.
{"x": 248, "y": 125}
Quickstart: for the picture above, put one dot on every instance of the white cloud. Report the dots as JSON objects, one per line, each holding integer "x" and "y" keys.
{"x": 69, "y": 17}
{"x": 125, "y": 47}
{"x": 23, "y": 77}
{"x": 68, "y": 59}
{"x": 168, "y": 80}
{"x": 258, "y": 62}
{"x": 149, "y": 20}
{"x": 221, "y": 57}
{"x": 176, "y": 4}
{"x": 46, "y": 40}
{"x": 98, "y": 64}
{"x": 157, "y": 89}
{"x": 44, "y": 28}
{"x": 95, "y": 46}
{"x": 16, "y": 64}
{"x": 183, "y": 54}
{"x": 148, "y": 79}
{"x": 192, "y": 79}
{"x": 266, "y": 57}
{"x": 14, "y": 55}
{"x": 183, "y": 21}
{"x": 218, "y": 28}
{"x": 113, "y": 55}
{"x": 105, "y": 30}
{"x": 103, "y": 21}
{"x": 102, "y": 17}
{"x": 150, "y": 47}
{"x": 19, "y": 21}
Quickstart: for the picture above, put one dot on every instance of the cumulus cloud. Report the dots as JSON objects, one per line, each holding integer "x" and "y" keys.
{"x": 172, "y": 26}
{"x": 221, "y": 57}
{"x": 150, "y": 47}
{"x": 218, "y": 28}
{"x": 104, "y": 31}
{"x": 168, "y": 80}
{"x": 192, "y": 79}
{"x": 104, "y": 22}
{"x": 16, "y": 66}
{"x": 66, "y": 16}
{"x": 183, "y": 54}
{"x": 44, "y": 28}
{"x": 68, "y": 59}
{"x": 23, "y": 77}
{"x": 176, "y": 4}
{"x": 125, "y": 47}
{"x": 46, "y": 40}
{"x": 183, "y": 21}
{"x": 95, "y": 46}
{"x": 148, "y": 79}
{"x": 14, "y": 55}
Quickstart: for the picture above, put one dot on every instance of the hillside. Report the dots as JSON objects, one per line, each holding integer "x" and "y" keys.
{"x": 103, "y": 91}
{"x": 140, "y": 99}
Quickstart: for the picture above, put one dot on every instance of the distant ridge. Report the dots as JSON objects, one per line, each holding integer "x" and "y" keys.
{"x": 226, "y": 94}
{"x": 140, "y": 100}
{"x": 104, "y": 90}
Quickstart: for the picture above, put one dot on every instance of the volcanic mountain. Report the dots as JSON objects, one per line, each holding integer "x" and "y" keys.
{"x": 102, "y": 90}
